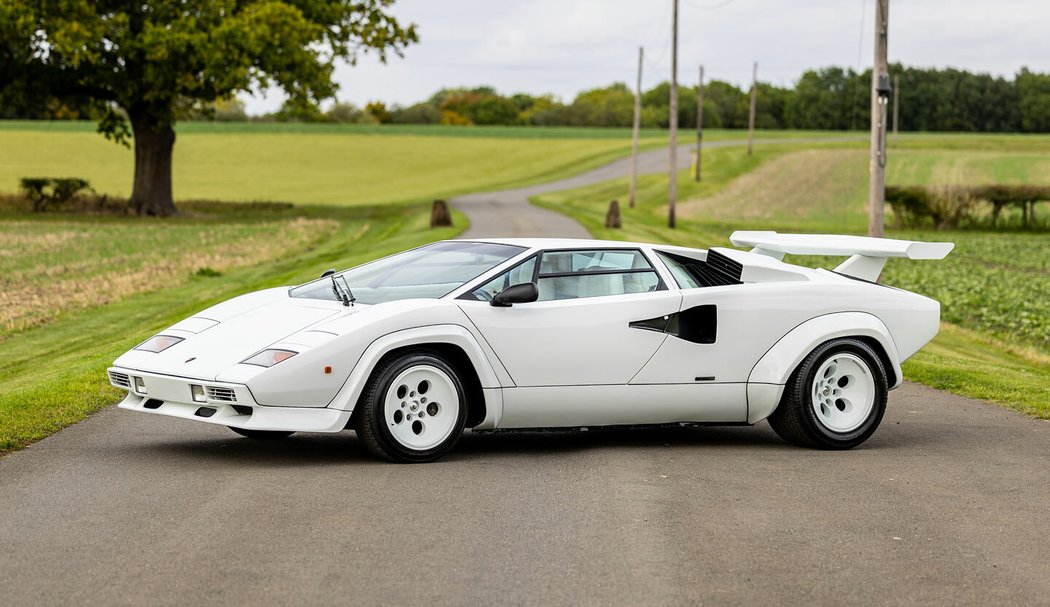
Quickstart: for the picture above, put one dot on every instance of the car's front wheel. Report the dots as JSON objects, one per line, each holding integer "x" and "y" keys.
{"x": 835, "y": 399}
{"x": 413, "y": 409}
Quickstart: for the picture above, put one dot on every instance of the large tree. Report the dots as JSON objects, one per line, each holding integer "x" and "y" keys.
{"x": 141, "y": 61}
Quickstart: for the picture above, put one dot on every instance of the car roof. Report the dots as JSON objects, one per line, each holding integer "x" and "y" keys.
{"x": 573, "y": 243}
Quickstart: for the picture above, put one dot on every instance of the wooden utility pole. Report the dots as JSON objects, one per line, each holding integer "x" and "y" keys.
{"x": 896, "y": 105}
{"x": 672, "y": 176}
{"x": 751, "y": 113}
{"x": 880, "y": 85}
{"x": 699, "y": 121}
{"x": 635, "y": 129}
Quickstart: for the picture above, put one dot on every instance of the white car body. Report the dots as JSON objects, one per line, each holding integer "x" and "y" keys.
{"x": 585, "y": 361}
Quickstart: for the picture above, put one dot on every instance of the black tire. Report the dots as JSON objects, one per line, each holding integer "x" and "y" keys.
{"x": 796, "y": 419}
{"x": 262, "y": 434}
{"x": 374, "y": 428}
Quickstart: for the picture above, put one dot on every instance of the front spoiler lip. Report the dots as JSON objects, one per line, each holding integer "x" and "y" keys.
{"x": 174, "y": 394}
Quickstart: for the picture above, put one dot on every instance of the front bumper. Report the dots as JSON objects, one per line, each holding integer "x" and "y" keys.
{"x": 224, "y": 404}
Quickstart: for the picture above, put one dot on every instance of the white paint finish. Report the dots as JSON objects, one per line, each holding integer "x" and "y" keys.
{"x": 570, "y": 406}
{"x": 177, "y": 389}
{"x": 296, "y": 419}
{"x": 751, "y": 318}
{"x": 205, "y": 355}
{"x": 573, "y": 341}
{"x": 862, "y": 267}
{"x": 762, "y": 400}
{"x": 868, "y": 255}
{"x": 493, "y": 408}
{"x": 762, "y": 268}
{"x": 836, "y": 244}
{"x": 777, "y": 364}
{"x": 301, "y": 381}
{"x": 457, "y": 335}
{"x": 194, "y": 324}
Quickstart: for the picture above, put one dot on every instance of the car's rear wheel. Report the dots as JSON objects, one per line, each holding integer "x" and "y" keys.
{"x": 413, "y": 409}
{"x": 835, "y": 399}
{"x": 262, "y": 434}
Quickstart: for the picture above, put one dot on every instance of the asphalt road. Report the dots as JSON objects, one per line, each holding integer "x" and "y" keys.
{"x": 946, "y": 504}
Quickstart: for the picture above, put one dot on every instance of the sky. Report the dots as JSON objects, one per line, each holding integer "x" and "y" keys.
{"x": 565, "y": 46}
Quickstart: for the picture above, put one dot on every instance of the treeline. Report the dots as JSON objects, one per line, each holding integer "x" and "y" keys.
{"x": 831, "y": 98}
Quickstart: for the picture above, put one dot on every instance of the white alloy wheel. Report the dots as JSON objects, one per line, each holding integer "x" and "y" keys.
{"x": 421, "y": 407}
{"x": 843, "y": 392}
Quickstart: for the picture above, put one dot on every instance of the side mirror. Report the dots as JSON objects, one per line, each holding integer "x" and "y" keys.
{"x": 327, "y": 273}
{"x": 525, "y": 292}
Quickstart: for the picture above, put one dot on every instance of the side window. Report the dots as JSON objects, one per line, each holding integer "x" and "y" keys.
{"x": 523, "y": 272}
{"x": 718, "y": 270}
{"x": 597, "y": 273}
{"x": 679, "y": 271}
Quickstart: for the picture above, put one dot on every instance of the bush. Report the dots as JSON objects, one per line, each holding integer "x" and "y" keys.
{"x": 46, "y": 192}
{"x": 949, "y": 205}
{"x": 420, "y": 113}
{"x": 953, "y": 205}
{"x": 348, "y": 113}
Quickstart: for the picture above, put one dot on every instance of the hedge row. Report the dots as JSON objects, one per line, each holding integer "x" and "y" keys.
{"x": 948, "y": 206}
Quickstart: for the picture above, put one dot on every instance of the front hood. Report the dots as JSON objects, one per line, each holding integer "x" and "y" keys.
{"x": 230, "y": 332}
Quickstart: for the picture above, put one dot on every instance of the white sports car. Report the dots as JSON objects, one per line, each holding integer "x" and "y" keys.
{"x": 496, "y": 334}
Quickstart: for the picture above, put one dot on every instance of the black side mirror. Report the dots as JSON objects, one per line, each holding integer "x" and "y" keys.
{"x": 525, "y": 292}
{"x": 328, "y": 272}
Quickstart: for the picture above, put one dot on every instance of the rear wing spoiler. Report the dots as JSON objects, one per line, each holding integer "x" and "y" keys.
{"x": 867, "y": 255}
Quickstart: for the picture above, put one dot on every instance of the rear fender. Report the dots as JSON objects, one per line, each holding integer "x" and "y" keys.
{"x": 779, "y": 362}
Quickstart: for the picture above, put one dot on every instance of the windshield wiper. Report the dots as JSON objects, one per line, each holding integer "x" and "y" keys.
{"x": 348, "y": 300}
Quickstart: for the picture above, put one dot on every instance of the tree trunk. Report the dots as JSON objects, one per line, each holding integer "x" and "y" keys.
{"x": 154, "y": 141}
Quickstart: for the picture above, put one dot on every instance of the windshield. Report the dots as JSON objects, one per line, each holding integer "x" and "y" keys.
{"x": 429, "y": 272}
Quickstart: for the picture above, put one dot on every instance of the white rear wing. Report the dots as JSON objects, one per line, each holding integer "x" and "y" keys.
{"x": 867, "y": 255}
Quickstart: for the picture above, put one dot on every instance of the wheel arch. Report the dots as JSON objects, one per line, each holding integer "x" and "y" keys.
{"x": 454, "y": 343}
{"x": 769, "y": 375}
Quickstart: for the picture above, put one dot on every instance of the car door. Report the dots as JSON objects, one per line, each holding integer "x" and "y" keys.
{"x": 578, "y": 333}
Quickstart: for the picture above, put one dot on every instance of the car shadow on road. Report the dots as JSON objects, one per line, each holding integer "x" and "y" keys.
{"x": 578, "y": 440}
{"x": 346, "y": 448}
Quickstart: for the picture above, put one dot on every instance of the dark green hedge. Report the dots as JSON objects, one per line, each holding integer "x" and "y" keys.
{"x": 950, "y": 206}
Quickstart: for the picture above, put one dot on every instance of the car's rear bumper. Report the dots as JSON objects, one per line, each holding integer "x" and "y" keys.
{"x": 224, "y": 404}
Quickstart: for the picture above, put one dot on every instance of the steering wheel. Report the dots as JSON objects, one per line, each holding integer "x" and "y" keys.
{"x": 484, "y": 295}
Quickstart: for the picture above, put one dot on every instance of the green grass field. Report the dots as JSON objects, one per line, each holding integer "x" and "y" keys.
{"x": 993, "y": 288}
{"x": 351, "y": 169}
{"x": 324, "y": 163}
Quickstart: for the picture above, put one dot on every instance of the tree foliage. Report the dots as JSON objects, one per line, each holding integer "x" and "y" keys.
{"x": 831, "y": 98}
{"x": 137, "y": 63}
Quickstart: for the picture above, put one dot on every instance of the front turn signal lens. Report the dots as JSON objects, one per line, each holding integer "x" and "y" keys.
{"x": 158, "y": 343}
{"x": 198, "y": 393}
{"x": 269, "y": 358}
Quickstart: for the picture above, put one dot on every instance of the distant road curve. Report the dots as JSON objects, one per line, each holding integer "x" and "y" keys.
{"x": 508, "y": 213}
